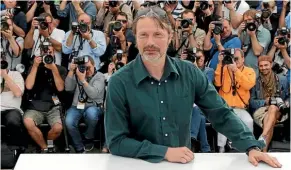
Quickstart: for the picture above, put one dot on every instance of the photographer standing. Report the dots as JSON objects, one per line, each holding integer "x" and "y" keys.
{"x": 268, "y": 99}
{"x": 234, "y": 81}
{"x": 44, "y": 83}
{"x": 280, "y": 52}
{"x": 82, "y": 40}
{"x": 18, "y": 17}
{"x": 254, "y": 37}
{"x": 222, "y": 39}
{"x": 12, "y": 46}
{"x": 89, "y": 87}
{"x": 42, "y": 30}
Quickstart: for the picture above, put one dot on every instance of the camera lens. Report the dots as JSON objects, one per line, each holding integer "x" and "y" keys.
{"x": 112, "y": 3}
{"x": 251, "y": 26}
{"x": 204, "y": 5}
{"x": 4, "y": 25}
{"x": 185, "y": 23}
{"x": 48, "y": 59}
{"x": 117, "y": 26}
{"x": 282, "y": 40}
{"x": 82, "y": 68}
{"x": 43, "y": 25}
{"x": 83, "y": 27}
{"x": 217, "y": 29}
{"x": 4, "y": 64}
{"x": 266, "y": 13}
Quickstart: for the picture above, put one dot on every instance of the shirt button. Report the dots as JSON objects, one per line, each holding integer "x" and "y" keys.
{"x": 164, "y": 118}
{"x": 159, "y": 84}
{"x": 152, "y": 82}
{"x": 165, "y": 81}
{"x": 166, "y": 134}
{"x": 162, "y": 101}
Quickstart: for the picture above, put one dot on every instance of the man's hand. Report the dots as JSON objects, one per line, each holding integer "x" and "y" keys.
{"x": 45, "y": 33}
{"x": 51, "y": 67}
{"x": 229, "y": 6}
{"x": 3, "y": 73}
{"x": 242, "y": 27}
{"x": 211, "y": 27}
{"x": 232, "y": 67}
{"x": 279, "y": 46}
{"x": 76, "y": 3}
{"x": 189, "y": 29}
{"x": 119, "y": 34}
{"x": 285, "y": 2}
{"x": 184, "y": 55}
{"x": 46, "y": 7}
{"x": 73, "y": 67}
{"x": 86, "y": 35}
{"x": 37, "y": 61}
{"x": 34, "y": 24}
{"x": 251, "y": 33}
{"x": 220, "y": 58}
{"x": 81, "y": 76}
{"x": 7, "y": 34}
{"x": 217, "y": 38}
{"x": 256, "y": 156}
{"x": 181, "y": 155}
{"x": 168, "y": 9}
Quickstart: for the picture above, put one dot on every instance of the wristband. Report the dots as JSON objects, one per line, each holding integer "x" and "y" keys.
{"x": 252, "y": 148}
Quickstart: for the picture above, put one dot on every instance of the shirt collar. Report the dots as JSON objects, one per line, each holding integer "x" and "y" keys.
{"x": 140, "y": 72}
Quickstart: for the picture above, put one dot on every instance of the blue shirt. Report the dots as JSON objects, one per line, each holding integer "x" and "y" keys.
{"x": 98, "y": 37}
{"x": 288, "y": 20}
{"x": 232, "y": 43}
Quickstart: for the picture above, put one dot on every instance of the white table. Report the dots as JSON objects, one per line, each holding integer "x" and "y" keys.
{"x": 209, "y": 161}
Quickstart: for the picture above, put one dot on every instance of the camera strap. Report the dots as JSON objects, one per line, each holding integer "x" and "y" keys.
{"x": 184, "y": 42}
{"x": 83, "y": 97}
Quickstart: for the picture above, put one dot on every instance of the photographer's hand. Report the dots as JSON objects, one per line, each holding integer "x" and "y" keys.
{"x": 47, "y": 8}
{"x": 7, "y": 34}
{"x": 3, "y": 73}
{"x": 251, "y": 33}
{"x": 241, "y": 27}
{"x": 220, "y": 58}
{"x": 51, "y": 67}
{"x": 86, "y": 35}
{"x": 211, "y": 27}
{"x": 45, "y": 33}
{"x": 279, "y": 46}
{"x": 81, "y": 76}
{"x": 229, "y": 6}
{"x": 119, "y": 34}
{"x": 232, "y": 67}
{"x": 37, "y": 61}
{"x": 34, "y": 24}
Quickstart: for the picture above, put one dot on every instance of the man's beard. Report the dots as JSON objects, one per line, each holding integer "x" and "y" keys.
{"x": 149, "y": 57}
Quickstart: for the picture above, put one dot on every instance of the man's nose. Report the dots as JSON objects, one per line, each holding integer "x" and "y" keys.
{"x": 150, "y": 41}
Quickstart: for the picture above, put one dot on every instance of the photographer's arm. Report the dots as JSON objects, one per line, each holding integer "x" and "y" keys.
{"x": 28, "y": 41}
{"x": 207, "y": 42}
{"x": 97, "y": 88}
{"x": 14, "y": 46}
{"x": 30, "y": 80}
{"x": 18, "y": 31}
{"x": 235, "y": 18}
{"x": 272, "y": 52}
{"x": 57, "y": 45}
{"x": 17, "y": 87}
{"x": 217, "y": 75}
{"x": 30, "y": 13}
{"x": 70, "y": 39}
{"x": 70, "y": 82}
{"x": 59, "y": 82}
{"x": 286, "y": 57}
{"x": 257, "y": 48}
{"x": 282, "y": 16}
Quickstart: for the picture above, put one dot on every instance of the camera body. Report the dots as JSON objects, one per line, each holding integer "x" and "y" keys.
{"x": 116, "y": 26}
{"x": 218, "y": 29}
{"x": 266, "y": 13}
{"x": 204, "y": 5}
{"x": 79, "y": 28}
{"x": 42, "y": 22}
{"x": 113, "y": 3}
{"x": 284, "y": 32}
{"x": 171, "y": 1}
{"x": 228, "y": 56}
{"x": 46, "y": 57}
{"x": 119, "y": 64}
{"x": 185, "y": 23}
{"x": 14, "y": 11}
{"x": 81, "y": 61}
{"x": 191, "y": 54}
{"x": 278, "y": 101}
{"x": 4, "y": 24}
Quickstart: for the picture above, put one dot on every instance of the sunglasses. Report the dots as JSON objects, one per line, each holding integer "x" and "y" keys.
{"x": 122, "y": 21}
{"x": 154, "y": 11}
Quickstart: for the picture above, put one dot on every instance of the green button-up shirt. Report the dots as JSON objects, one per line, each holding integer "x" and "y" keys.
{"x": 145, "y": 116}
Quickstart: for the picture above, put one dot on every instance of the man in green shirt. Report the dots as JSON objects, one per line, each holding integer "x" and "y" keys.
{"x": 149, "y": 102}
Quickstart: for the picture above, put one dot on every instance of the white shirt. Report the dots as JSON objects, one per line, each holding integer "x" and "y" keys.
{"x": 8, "y": 100}
{"x": 57, "y": 35}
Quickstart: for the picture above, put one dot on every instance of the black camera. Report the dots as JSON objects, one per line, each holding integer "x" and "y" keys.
{"x": 48, "y": 2}
{"x": 218, "y": 29}
{"x": 80, "y": 60}
{"x": 266, "y": 13}
{"x": 171, "y": 1}
{"x": 227, "y": 2}
{"x": 191, "y": 54}
{"x": 283, "y": 31}
{"x": 283, "y": 40}
{"x": 116, "y": 26}
{"x": 46, "y": 57}
{"x": 4, "y": 64}
{"x": 40, "y": 19}
{"x": 204, "y": 5}
{"x": 266, "y": 5}
{"x": 251, "y": 26}
{"x": 185, "y": 23}
{"x": 14, "y": 11}
{"x": 78, "y": 28}
{"x": 278, "y": 101}
{"x": 228, "y": 56}
{"x": 4, "y": 24}
{"x": 277, "y": 68}
{"x": 119, "y": 64}
{"x": 113, "y": 3}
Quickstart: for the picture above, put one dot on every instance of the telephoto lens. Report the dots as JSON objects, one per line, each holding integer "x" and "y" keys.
{"x": 185, "y": 23}
{"x": 266, "y": 13}
{"x": 218, "y": 29}
{"x": 251, "y": 26}
{"x": 117, "y": 26}
{"x": 82, "y": 68}
{"x": 48, "y": 59}
{"x": 4, "y": 64}
{"x": 83, "y": 27}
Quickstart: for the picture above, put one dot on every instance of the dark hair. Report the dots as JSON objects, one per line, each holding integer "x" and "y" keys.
{"x": 188, "y": 11}
{"x": 46, "y": 15}
{"x": 122, "y": 14}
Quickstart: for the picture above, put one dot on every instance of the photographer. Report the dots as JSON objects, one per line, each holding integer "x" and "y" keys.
{"x": 12, "y": 88}
{"x": 118, "y": 34}
{"x": 222, "y": 39}
{"x": 82, "y": 40}
{"x": 44, "y": 83}
{"x": 255, "y": 38}
{"x": 76, "y": 8}
{"x": 89, "y": 87}
{"x": 234, "y": 81}
{"x": 270, "y": 99}
{"x": 189, "y": 35}
{"x": 11, "y": 46}
{"x": 109, "y": 12}
{"x": 173, "y": 10}
{"x": 42, "y": 30}
{"x": 280, "y": 52}
{"x": 18, "y": 17}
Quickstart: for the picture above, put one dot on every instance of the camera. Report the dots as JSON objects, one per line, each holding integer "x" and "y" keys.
{"x": 48, "y": 2}
{"x": 283, "y": 31}
{"x": 251, "y": 26}
{"x": 185, "y": 23}
{"x": 14, "y": 11}
{"x": 46, "y": 57}
{"x": 171, "y": 1}
{"x": 78, "y": 28}
{"x": 277, "y": 68}
{"x": 283, "y": 40}
{"x": 227, "y": 2}
{"x": 204, "y": 5}
{"x": 113, "y": 3}
{"x": 218, "y": 29}
{"x": 4, "y": 64}
{"x": 40, "y": 19}
{"x": 116, "y": 26}
{"x": 278, "y": 101}
{"x": 266, "y": 13}
{"x": 80, "y": 60}
{"x": 266, "y": 5}
{"x": 4, "y": 24}
{"x": 228, "y": 56}
{"x": 191, "y": 54}
{"x": 119, "y": 64}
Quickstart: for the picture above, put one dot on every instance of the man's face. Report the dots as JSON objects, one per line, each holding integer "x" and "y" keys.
{"x": 86, "y": 19}
{"x": 90, "y": 69}
{"x": 123, "y": 20}
{"x": 200, "y": 61}
{"x": 227, "y": 29}
{"x": 238, "y": 59}
{"x": 152, "y": 41}
{"x": 248, "y": 19}
{"x": 10, "y": 3}
{"x": 265, "y": 67}
{"x": 211, "y": 5}
{"x": 189, "y": 16}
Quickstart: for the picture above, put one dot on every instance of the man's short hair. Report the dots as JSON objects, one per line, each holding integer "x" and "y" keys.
{"x": 44, "y": 15}
{"x": 252, "y": 13}
{"x": 264, "y": 58}
{"x": 91, "y": 60}
{"x": 240, "y": 51}
{"x": 85, "y": 15}
{"x": 188, "y": 11}
{"x": 122, "y": 14}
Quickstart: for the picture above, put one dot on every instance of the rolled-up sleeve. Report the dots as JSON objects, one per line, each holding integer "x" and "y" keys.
{"x": 65, "y": 48}
{"x": 70, "y": 83}
{"x": 99, "y": 39}
{"x": 64, "y": 13}
{"x": 96, "y": 90}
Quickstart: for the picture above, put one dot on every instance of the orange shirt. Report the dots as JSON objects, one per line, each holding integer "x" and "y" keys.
{"x": 245, "y": 80}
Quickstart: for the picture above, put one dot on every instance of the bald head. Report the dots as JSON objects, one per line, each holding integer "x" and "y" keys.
{"x": 85, "y": 18}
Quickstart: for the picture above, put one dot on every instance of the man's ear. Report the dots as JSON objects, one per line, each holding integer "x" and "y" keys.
{"x": 170, "y": 37}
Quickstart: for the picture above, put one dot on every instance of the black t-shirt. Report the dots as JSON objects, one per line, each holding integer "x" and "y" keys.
{"x": 203, "y": 22}
{"x": 20, "y": 20}
{"x": 190, "y": 6}
{"x": 40, "y": 96}
{"x": 129, "y": 38}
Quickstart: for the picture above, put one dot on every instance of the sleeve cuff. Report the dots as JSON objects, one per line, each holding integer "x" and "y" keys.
{"x": 158, "y": 153}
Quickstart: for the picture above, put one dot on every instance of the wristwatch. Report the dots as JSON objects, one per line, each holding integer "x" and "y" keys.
{"x": 83, "y": 82}
{"x": 253, "y": 148}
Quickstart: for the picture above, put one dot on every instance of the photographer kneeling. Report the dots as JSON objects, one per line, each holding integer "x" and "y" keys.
{"x": 270, "y": 99}
{"x": 89, "y": 87}
{"x": 234, "y": 81}
{"x": 44, "y": 83}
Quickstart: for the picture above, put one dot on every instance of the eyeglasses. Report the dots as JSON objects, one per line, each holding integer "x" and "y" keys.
{"x": 123, "y": 21}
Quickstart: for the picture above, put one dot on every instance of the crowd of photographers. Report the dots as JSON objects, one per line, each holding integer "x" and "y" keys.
{"x": 52, "y": 51}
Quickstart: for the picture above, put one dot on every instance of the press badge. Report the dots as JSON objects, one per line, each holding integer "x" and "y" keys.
{"x": 81, "y": 105}
{"x": 56, "y": 100}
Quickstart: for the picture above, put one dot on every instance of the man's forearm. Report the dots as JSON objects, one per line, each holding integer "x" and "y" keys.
{"x": 207, "y": 42}
{"x": 92, "y": 44}
{"x": 282, "y": 18}
{"x": 12, "y": 86}
{"x": 193, "y": 42}
{"x": 70, "y": 39}
{"x": 286, "y": 57}
{"x": 257, "y": 48}
{"x": 30, "y": 13}
{"x": 28, "y": 41}
{"x": 59, "y": 82}
{"x": 272, "y": 51}
{"x": 171, "y": 18}
{"x": 18, "y": 31}
{"x": 79, "y": 10}
{"x": 30, "y": 80}
{"x": 219, "y": 10}
{"x": 63, "y": 5}
{"x": 234, "y": 19}
{"x": 57, "y": 45}
{"x": 14, "y": 46}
